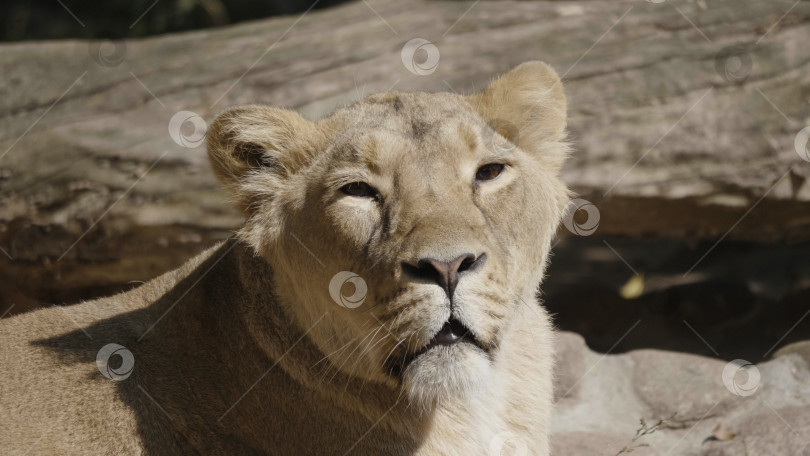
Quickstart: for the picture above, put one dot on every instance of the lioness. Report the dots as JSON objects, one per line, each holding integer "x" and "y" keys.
{"x": 379, "y": 299}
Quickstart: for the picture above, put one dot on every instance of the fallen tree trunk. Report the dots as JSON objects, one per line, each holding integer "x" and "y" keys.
{"x": 685, "y": 117}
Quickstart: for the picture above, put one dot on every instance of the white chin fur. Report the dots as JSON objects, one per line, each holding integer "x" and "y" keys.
{"x": 446, "y": 372}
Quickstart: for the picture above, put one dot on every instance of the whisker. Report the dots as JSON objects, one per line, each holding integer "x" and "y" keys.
{"x": 350, "y": 355}
{"x": 366, "y": 349}
{"x": 369, "y": 370}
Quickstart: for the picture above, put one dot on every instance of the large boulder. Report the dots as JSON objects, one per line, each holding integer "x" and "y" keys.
{"x": 653, "y": 402}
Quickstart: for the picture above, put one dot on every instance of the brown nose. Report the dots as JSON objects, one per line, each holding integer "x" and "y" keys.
{"x": 445, "y": 273}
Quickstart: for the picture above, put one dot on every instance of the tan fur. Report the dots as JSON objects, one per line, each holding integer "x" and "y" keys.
{"x": 243, "y": 351}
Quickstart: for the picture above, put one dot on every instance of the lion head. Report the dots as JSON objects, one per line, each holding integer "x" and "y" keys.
{"x": 404, "y": 230}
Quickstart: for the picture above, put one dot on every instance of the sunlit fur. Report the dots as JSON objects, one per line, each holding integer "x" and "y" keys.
{"x": 420, "y": 151}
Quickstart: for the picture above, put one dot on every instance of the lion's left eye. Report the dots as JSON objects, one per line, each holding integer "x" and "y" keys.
{"x": 489, "y": 172}
{"x": 359, "y": 190}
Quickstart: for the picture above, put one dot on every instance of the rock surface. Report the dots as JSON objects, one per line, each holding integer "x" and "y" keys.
{"x": 676, "y": 107}
{"x": 601, "y": 400}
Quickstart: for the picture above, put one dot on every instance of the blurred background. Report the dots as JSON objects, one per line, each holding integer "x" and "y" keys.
{"x": 688, "y": 120}
{"x": 48, "y": 20}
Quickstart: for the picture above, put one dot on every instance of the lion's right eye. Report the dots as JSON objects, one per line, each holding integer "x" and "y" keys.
{"x": 489, "y": 172}
{"x": 359, "y": 190}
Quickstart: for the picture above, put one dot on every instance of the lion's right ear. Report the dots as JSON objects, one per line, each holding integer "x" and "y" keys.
{"x": 531, "y": 98}
{"x": 253, "y": 140}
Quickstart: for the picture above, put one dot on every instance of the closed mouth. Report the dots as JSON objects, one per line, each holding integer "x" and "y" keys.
{"x": 452, "y": 332}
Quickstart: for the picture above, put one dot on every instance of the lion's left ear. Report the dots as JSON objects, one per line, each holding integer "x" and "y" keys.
{"x": 530, "y": 97}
